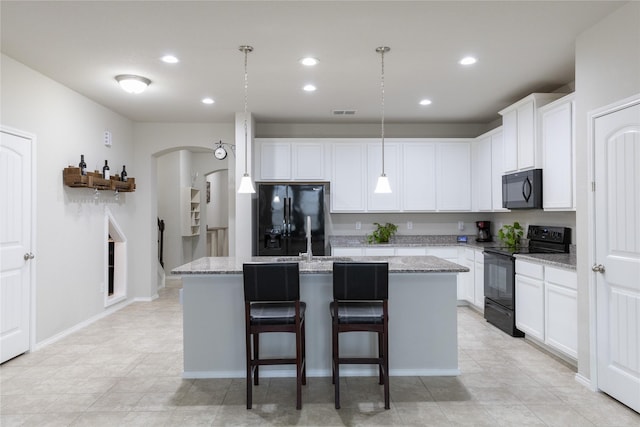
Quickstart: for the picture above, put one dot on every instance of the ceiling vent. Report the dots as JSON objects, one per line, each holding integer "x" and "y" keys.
{"x": 343, "y": 112}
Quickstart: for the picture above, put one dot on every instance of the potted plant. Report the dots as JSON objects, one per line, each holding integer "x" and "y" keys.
{"x": 510, "y": 235}
{"x": 382, "y": 233}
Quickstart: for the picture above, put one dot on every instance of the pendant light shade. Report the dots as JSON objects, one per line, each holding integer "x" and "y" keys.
{"x": 383, "y": 185}
{"x": 246, "y": 186}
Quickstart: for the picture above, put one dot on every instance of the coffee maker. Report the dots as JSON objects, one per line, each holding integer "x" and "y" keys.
{"x": 484, "y": 231}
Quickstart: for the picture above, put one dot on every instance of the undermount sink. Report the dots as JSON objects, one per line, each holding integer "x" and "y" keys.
{"x": 314, "y": 259}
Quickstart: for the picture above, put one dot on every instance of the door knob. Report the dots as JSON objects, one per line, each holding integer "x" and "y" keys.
{"x": 598, "y": 268}
{"x": 28, "y": 256}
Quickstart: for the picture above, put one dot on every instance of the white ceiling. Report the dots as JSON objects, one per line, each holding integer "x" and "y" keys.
{"x": 522, "y": 47}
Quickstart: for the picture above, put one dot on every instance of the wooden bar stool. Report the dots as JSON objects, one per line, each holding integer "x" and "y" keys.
{"x": 272, "y": 304}
{"x": 360, "y": 303}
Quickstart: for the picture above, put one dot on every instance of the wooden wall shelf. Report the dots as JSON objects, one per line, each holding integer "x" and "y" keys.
{"x": 72, "y": 178}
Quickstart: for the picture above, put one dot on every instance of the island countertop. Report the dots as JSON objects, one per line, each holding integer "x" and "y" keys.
{"x": 321, "y": 264}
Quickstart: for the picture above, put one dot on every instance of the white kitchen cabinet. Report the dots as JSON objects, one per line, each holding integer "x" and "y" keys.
{"x": 282, "y": 159}
{"x": 558, "y": 151}
{"x": 274, "y": 160}
{"x": 519, "y": 122}
{"x": 454, "y": 176}
{"x": 418, "y": 186}
{"x": 411, "y": 251}
{"x": 383, "y": 202}
{"x": 561, "y": 310}
{"x": 482, "y": 178}
{"x": 497, "y": 170}
{"x": 348, "y": 177}
{"x": 478, "y": 277}
{"x": 347, "y": 251}
{"x": 529, "y": 291}
{"x": 379, "y": 251}
{"x": 466, "y": 282}
{"x": 190, "y": 211}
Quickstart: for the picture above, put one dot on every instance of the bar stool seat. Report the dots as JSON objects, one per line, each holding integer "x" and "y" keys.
{"x": 360, "y": 304}
{"x": 272, "y": 304}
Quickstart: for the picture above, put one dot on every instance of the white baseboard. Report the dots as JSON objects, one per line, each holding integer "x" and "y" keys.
{"x": 265, "y": 372}
{"x": 57, "y": 337}
{"x": 581, "y": 379}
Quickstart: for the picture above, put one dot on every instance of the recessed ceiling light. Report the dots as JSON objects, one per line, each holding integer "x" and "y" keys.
{"x": 170, "y": 59}
{"x": 309, "y": 61}
{"x": 425, "y": 102}
{"x": 208, "y": 101}
{"x": 309, "y": 88}
{"x": 468, "y": 60}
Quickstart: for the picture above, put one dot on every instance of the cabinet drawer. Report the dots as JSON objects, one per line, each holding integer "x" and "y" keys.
{"x": 379, "y": 251}
{"x": 411, "y": 251}
{"x": 561, "y": 277}
{"x": 469, "y": 254}
{"x": 529, "y": 269}
{"x": 443, "y": 252}
{"x": 347, "y": 251}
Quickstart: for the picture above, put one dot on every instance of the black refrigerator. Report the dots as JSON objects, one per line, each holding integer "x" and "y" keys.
{"x": 282, "y": 210}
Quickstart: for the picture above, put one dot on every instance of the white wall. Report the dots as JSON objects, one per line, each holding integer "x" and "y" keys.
{"x": 607, "y": 70}
{"x": 69, "y": 239}
{"x": 169, "y": 186}
{"x": 153, "y": 140}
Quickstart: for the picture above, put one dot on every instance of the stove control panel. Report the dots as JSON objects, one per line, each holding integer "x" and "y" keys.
{"x": 542, "y": 233}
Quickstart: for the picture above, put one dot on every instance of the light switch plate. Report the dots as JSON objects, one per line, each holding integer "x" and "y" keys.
{"x": 358, "y": 225}
{"x": 409, "y": 225}
{"x": 107, "y": 138}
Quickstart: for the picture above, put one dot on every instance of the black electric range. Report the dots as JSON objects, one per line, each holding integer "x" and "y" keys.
{"x": 499, "y": 273}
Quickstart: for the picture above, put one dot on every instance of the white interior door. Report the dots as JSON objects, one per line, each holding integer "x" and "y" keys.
{"x": 617, "y": 252}
{"x": 15, "y": 244}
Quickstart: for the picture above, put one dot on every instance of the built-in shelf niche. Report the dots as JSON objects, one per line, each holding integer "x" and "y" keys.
{"x": 115, "y": 271}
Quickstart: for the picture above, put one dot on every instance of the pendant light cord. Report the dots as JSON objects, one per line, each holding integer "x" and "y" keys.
{"x": 246, "y": 50}
{"x": 382, "y": 50}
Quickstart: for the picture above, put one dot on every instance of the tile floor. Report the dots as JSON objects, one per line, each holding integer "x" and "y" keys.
{"x": 125, "y": 370}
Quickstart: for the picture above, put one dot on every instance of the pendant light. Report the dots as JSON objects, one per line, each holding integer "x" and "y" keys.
{"x": 246, "y": 186}
{"x": 383, "y": 185}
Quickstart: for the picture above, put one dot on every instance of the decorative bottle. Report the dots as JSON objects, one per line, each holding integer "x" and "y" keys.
{"x": 106, "y": 174}
{"x": 123, "y": 174}
{"x": 82, "y": 165}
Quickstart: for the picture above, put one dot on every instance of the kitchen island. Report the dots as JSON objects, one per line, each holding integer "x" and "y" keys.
{"x": 422, "y": 318}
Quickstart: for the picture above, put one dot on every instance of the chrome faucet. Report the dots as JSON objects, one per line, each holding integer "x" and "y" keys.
{"x": 309, "y": 253}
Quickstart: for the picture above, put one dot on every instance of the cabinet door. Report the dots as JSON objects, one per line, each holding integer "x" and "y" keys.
{"x": 561, "y": 310}
{"x": 275, "y": 161}
{"x": 510, "y": 135}
{"x": 348, "y": 186}
{"x": 308, "y": 161}
{"x": 482, "y": 177}
{"x": 418, "y": 177}
{"x": 526, "y": 136}
{"x": 497, "y": 170}
{"x": 411, "y": 251}
{"x": 479, "y": 279}
{"x": 389, "y": 201}
{"x": 530, "y": 306}
{"x": 558, "y": 164}
{"x": 454, "y": 176}
{"x": 466, "y": 285}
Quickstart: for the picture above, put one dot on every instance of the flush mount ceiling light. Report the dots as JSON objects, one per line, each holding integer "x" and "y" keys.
{"x": 383, "y": 185}
{"x": 425, "y": 102}
{"x": 468, "y": 60}
{"x": 246, "y": 186}
{"x": 208, "y": 101}
{"x": 133, "y": 84}
{"x": 309, "y": 61}
{"x": 170, "y": 59}
{"x": 309, "y": 88}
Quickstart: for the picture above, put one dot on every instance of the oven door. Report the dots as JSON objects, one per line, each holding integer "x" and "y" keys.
{"x": 499, "y": 278}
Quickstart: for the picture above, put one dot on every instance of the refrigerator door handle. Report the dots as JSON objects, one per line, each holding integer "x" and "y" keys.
{"x": 289, "y": 217}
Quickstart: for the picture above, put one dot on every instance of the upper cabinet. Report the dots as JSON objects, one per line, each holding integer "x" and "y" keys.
{"x": 418, "y": 185}
{"x": 481, "y": 170}
{"x": 558, "y": 145}
{"x": 519, "y": 122}
{"x": 348, "y": 177}
{"x": 454, "y": 176}
{"x": 291, "y": 160}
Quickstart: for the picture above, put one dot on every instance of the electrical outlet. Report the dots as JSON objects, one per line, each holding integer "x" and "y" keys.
{"x": 460, "y": 225}
{"x": 409, "y": 225}
{"x": 358, "y": 225}
{"x": 107, "y": 138}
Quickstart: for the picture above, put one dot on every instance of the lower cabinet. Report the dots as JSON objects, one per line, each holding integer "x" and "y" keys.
{"x": 478, "y": 277}
{"x": 547, "y": 305}
{"x": 347, "y": 251}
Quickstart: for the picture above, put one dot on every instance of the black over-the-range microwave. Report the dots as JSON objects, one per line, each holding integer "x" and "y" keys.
{"x": 522, "y": 190}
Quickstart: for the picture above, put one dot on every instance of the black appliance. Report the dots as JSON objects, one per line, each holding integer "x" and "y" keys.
{"x": 522, "y": 190}
{"x": 282, "y": 210}
{"x": 484, "y": 231}
{"x": 499, "y": 274}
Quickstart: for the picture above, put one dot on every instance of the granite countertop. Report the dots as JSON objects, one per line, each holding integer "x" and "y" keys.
{"x": 567, "y": 261}
{"x": 408, "y": 241}
{"x": 320, "y": 264}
